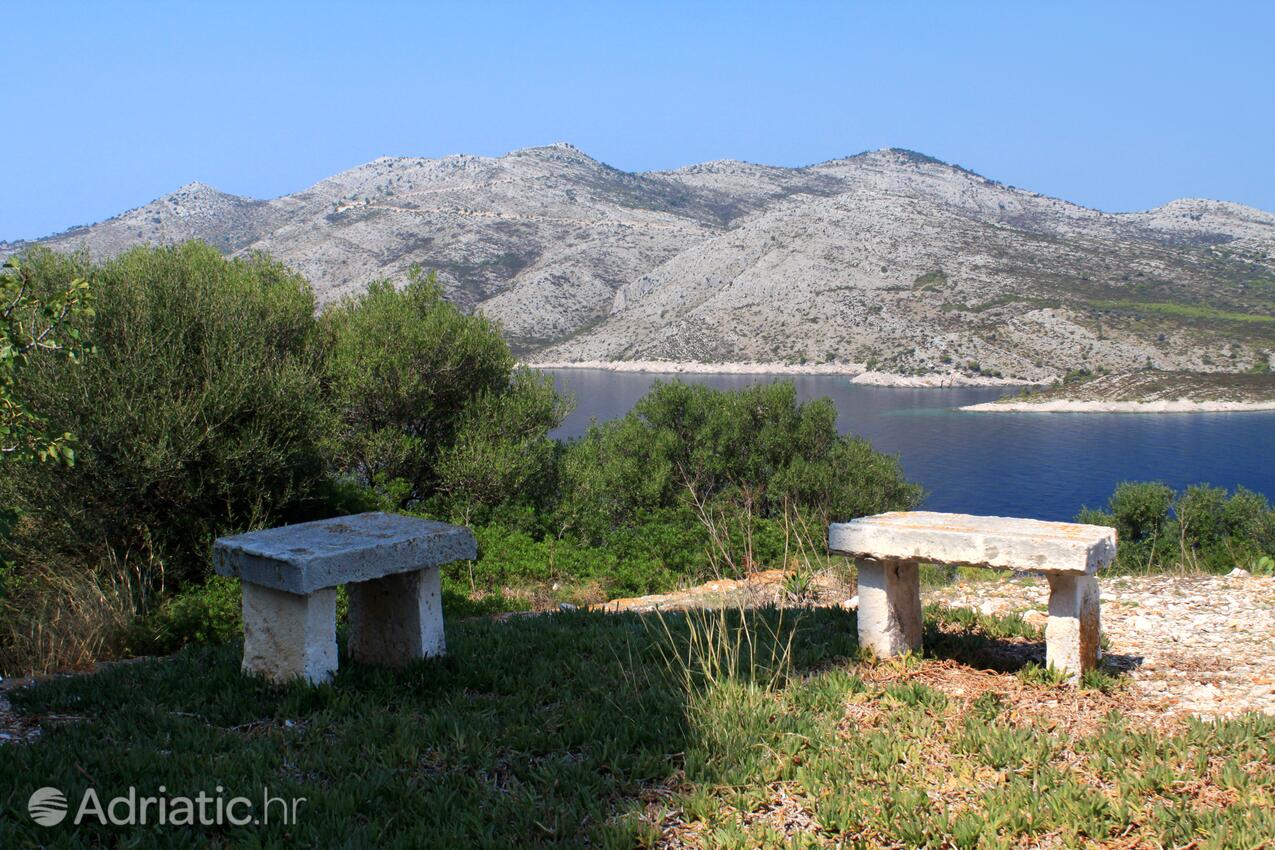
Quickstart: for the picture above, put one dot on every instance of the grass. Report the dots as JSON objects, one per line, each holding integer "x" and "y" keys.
{"x": 707, "y": 729}
{"x": 1183, "y": 311}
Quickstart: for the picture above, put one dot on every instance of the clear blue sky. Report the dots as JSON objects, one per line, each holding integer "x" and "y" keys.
{"x": 1118, "y": 105}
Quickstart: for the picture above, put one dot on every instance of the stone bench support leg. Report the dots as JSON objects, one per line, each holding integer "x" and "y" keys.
{"x": 889, "y": 606}
{"x": 397, "y": 619}
{"x": 1074, "y": 627}
{"x": 288, "y": 636}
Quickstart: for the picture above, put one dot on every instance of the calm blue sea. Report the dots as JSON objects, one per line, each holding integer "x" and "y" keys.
{"x": 1044, "y": 465}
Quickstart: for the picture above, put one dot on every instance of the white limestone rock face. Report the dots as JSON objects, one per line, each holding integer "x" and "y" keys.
{"x": 1026, "y": 545}
{"x": 289, "y": 636}
{"x": 889, "y": 255}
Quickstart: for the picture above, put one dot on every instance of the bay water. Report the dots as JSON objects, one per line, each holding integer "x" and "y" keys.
{"x": 1042, "y": 465}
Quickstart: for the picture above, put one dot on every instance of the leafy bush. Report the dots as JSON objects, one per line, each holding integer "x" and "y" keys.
{"x": 36, "y": 321}
{"x": 748, "y": 454}
{"x": 502, "y": 461}
{"x": 1140, "y": 510}
{"x": 655, "y": 553}
{"x": 216, "y": 402}
{"x": 200, "y": 410}
{"x": 207, "y": 614}
{"x": 432, "y": 411}
{"x": 1203, "y": 528}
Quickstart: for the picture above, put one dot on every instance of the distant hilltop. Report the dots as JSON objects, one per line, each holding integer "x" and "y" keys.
{"x": 889, "y": 261}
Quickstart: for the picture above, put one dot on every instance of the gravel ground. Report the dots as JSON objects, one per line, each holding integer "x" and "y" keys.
{"x": 1201, "y": 645}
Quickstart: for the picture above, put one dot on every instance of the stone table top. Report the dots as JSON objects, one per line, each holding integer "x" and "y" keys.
{"x": 309, "y": 556}
{"x": 1028, "y": 545}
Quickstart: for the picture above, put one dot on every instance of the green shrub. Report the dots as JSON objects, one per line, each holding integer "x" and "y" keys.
{"x": 432, "y": 412}
{"x": 750, "y": 454}
{"x": 207, "y": 614}
{"x": 655, "y": 554}
{"x": 502, "y": 462}
{"x": 199, "y": 412}
{"x": 1203, "y": 528}
{"x": 1141, "y": 510}
{"x": 37, "y": 321}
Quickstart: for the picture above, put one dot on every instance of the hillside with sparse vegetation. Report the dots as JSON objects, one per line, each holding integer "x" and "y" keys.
{"x": 889, "y": 261}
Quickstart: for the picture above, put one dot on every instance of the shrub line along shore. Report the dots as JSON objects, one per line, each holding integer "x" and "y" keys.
{"x": 857, "y": 374}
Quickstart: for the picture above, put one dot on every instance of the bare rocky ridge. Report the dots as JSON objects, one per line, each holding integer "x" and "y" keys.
{"x": 888, "y": 261}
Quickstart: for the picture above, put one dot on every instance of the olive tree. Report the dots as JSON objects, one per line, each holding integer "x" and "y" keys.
{"x": 433, "y": 413}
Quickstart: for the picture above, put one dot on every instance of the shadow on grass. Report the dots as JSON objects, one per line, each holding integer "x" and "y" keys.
{"x": 1005, "y": 644}
{"x": 539, "y": 731}
{"x": 548, "y": 731}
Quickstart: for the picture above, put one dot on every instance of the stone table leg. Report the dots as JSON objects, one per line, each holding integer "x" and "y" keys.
{"x": 889, "y": 606}
{"x": 288, "y": 636}
{"x": 397, "y": 619}
{"x": 1074, "y": 627}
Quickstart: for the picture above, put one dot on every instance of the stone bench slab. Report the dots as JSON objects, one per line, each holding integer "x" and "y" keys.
{"x": 1024, "y": 545}
{"x": 311, "y": 556}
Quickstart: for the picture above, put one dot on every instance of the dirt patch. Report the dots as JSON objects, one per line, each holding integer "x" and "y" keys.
{"x": 769, "y": 587}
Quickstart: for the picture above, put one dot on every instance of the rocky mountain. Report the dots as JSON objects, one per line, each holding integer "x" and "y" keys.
{"x": 889, "y": 260}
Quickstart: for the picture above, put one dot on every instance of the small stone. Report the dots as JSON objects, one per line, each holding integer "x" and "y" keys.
{"x": 1204, "y": 692}
{"x": 851, "y": 604}
{"x": 989, "y": 607}
{"x": 1238, "y": 573}
{"x": 566, "y": 607}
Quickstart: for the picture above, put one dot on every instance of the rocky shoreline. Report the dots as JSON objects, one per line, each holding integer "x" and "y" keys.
{"x": 1146, "y": 391}
{"x": 1161, "y": 406}
{"x": 857, "y": 374}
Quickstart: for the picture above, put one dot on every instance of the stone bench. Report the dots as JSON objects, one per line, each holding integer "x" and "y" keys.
{"x": 389, "y": 565}
{"x": 888, "y": 549}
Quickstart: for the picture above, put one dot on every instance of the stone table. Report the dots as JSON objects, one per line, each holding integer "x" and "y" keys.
{"x": 390, "y": 566}
{"x": 889, "y": 548}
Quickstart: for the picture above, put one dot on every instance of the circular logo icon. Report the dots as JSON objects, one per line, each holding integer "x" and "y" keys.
{"x": 47, "y": 806}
